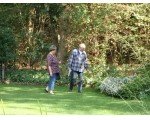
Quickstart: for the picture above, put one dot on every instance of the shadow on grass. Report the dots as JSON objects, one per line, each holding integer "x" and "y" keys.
{"x": 23, "y": 97}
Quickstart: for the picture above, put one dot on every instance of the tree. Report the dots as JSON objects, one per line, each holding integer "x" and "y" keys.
{"x": 7, "y": 48}
{"x": 113, "y": 33}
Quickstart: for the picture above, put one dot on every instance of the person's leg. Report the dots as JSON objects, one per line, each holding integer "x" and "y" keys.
{"x": 52, "y": 83}
{"x": 72, "y": 80}
{"x": 80, "y": 77}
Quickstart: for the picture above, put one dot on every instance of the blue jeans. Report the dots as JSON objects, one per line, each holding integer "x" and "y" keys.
{"x": 76, "y": 77}
{"x": 52, "y": 81}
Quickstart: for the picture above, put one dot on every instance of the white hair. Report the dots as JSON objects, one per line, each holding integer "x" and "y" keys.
{"x": 82, "y": 45}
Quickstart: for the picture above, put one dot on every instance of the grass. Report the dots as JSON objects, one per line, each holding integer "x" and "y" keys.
{"x": 32, "y": 100}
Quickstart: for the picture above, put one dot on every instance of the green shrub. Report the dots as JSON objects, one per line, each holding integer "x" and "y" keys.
{"x": 64, "y": 78}
{"x": 97, "y": 73}
{"x": 140, "y": 87}
{"x": 94, "y": 75}
{"x": 132, "y": 85}
{"x": 28, "y": 76}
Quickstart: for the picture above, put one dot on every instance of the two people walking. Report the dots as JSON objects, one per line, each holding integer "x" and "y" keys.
{"x": 77, "y": 63}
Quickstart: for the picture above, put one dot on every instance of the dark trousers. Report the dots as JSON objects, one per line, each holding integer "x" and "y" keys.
{"x": 76, "y": 78}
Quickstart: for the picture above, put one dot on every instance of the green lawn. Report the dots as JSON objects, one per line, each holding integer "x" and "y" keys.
{"x": 32, "y": 100}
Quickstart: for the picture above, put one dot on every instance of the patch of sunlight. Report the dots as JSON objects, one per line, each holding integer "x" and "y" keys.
{"x": 41, "y": 76}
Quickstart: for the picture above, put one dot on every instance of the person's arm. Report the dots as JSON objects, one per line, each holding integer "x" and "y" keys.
{"x": 49, "y": 67}
{"x": 70, "y": 60}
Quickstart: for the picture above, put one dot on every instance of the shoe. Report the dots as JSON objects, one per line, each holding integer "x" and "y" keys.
{"x": 46, "y": 90}
{"x": 79, "y": 92}
{"x": 51, "y": 92}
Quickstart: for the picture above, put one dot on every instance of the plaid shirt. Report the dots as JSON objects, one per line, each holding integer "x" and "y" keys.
{"x": 54, "y": 63}
{"x": 78, "y": 61}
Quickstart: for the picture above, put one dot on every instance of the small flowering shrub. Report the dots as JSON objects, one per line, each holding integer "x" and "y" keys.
{"x": 112, "y": 85}
{"x": 132, "y": 87}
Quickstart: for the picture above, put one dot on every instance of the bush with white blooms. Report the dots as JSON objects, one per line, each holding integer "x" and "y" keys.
{"x": 112, "y": 85}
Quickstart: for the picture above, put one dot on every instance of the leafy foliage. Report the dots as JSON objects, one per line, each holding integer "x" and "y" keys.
{"x": 112, "y": 85}
{"x": 28, "y": 76}
{"x": 113, "y": 33}
{"x": 140, "y": 87}
{"x": 35, "y": 77}
{"x": 7, "y": 45}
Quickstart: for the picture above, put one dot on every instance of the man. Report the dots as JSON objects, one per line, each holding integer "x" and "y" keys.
{"x": 77, "y": 64}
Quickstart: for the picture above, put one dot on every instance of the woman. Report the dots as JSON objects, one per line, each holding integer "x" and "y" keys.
{"x": 53, "y": 68}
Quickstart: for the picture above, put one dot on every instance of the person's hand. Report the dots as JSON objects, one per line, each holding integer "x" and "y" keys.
{"x": 59, "y": 62}
{"x": 50, "y": 74}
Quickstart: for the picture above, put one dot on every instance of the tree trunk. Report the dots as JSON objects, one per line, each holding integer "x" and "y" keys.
{"x": 61, "y": 51}
{"x": 53, "y": 34}
{"x": 30, "y": 34}
{"x": 3, "y": 71}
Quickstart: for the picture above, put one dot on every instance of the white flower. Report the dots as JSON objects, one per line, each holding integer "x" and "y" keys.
{"x": 111, "y": 85}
